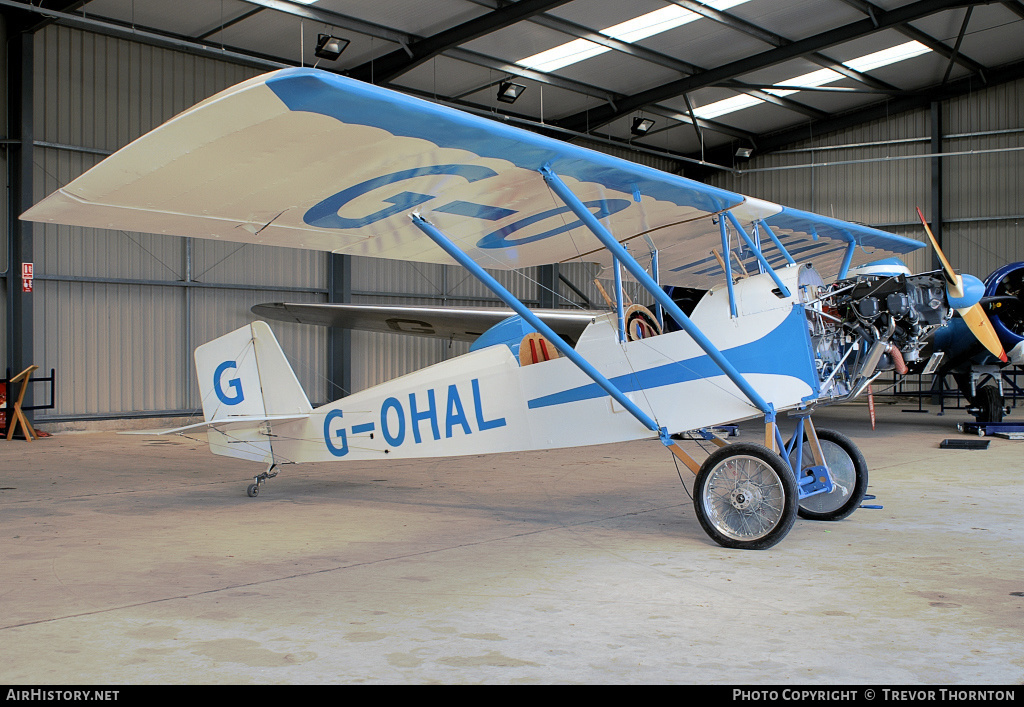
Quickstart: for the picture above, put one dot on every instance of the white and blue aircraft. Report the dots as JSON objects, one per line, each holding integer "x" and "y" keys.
{"x": 308, "y": 159}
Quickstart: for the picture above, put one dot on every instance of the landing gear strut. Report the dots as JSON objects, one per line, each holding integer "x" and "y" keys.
{"x": 254, "y": 488}
{"x": 849, "y": 473}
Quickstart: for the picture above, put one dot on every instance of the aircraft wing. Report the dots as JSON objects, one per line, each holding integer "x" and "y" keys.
{"x": 308, "y": 159}
{"x": 454, "y": 323}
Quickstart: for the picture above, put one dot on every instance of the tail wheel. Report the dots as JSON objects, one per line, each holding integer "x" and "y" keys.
{"x": 849, "y": 476}
{"x": 745, "y": 497}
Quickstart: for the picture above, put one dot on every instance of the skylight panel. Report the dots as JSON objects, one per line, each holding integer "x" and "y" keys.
{"x": 629, "y": 31}
{"x": 885, "y": 57}
{"x": 728, "y": 105}
{"x": 563, "y": 55}
{"x": 650, "y": 24}
{"x": 821, "y": 77}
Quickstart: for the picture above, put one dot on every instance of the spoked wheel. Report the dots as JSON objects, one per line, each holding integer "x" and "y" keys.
{"x": 745, "y": 497}
{"x": 849, "y": 476}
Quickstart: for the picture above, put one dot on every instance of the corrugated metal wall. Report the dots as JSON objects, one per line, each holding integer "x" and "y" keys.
{"x": 982, "y": 191}
{"x": 4, "y": 260}
{"x": 118, "y": 314}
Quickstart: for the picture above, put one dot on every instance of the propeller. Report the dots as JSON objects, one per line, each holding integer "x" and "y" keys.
{"x": 965, "y": 297}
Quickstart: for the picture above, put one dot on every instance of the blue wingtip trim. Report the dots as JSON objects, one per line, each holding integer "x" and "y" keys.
{"x": 865, "y": 236}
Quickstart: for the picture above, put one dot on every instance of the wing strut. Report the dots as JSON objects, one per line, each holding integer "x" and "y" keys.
{"x": 660, "y": 296}
{"x": 727, "y": 264}
{"x": 619, "y": 309}
{"x": 523, "y": 311}
{"x": 776, "y": 241}
{"x": 757, "y": 252}
{"x": 844, "y": 269}
{"x": 655, "y": 271}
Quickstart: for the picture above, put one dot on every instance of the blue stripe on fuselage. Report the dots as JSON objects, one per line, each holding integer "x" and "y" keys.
{"x": 786, "y": 350}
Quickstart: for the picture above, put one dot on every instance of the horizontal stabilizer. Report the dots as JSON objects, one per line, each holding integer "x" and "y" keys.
{"x": 223, "y": 423}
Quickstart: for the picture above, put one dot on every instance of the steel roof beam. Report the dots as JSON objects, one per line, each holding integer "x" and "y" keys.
{"x": 776, "y": 40}
{"x": 392, "y": 65}
{"x": 701, "y": 122}
{"x": 687, "y": 69}
{"x": 578, "y": 31}
{"x": 152, "y": 37}
{"x": 926, "y": 39}
{"x": 882, "y": 20}
{"x": 312, "y": 12}
{"x": 224, "y": 24}
{"x": 1015, "y": 6}
{"x": 644, "y": 54}
{"x": 910, "y": 101}
{"x": 768, "y": 97}
{"x": 488, "y": 62}
{"x": 27, "y": 20}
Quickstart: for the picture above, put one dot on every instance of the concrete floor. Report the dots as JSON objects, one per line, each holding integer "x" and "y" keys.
{"x": 136, "y": 560}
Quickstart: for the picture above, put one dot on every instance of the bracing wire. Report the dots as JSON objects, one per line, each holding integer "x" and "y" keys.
{"x": 680, "y": 475}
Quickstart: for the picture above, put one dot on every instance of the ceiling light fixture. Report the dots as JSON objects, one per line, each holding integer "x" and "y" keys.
{"x": 641, "y": 126}
{"x": 329, "y": 47}
{"x": 744, "y": 152}
{"x": 508, "y": 92}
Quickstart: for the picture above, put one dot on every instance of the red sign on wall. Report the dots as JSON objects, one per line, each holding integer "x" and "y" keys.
{"x": 27, "y": 271}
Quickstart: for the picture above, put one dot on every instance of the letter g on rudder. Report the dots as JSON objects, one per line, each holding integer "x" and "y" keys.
{"x": 234, "y": 383}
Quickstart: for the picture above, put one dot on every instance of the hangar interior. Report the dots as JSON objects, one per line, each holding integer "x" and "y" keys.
{"x": 854, "y": 109}
{"x": 117, "y": 314}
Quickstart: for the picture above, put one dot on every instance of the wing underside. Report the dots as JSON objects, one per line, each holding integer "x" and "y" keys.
{"x": 308, "y": 159}
{"x": 452, "y": 323}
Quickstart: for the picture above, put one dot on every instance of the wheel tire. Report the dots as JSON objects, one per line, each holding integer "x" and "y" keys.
{"x": 990, "y": 404}
{"x": 745, "y": 497}
{"x": 849, "y": 474}
{"x": 253, "y": 491}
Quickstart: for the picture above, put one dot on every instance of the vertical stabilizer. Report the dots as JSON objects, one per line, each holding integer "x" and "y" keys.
{"x": 245, "y": 374}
